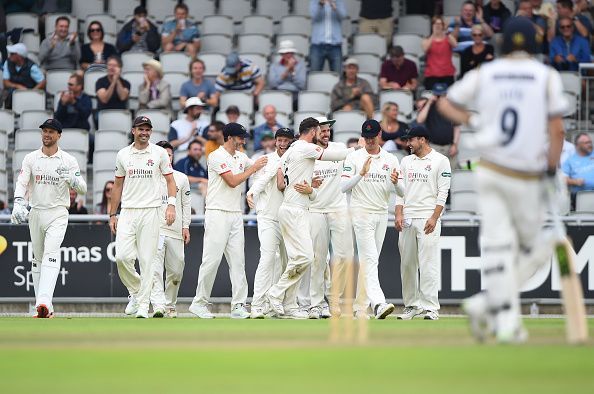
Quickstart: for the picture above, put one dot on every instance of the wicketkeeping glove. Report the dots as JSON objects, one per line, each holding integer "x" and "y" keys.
{"x": 19, "y": 211}
{"x": 67, "y": 176}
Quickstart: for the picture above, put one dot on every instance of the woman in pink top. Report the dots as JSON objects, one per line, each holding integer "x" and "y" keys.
{"x": 438, "y": 50}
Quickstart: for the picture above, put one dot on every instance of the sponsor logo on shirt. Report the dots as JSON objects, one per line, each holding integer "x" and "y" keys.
{"x": 346, "y": 168}
{"x": 428, "y": 167}
{"x": 418, "y": 177}
{"x": 139, "y": 173}
{"x": 150, "y": 162}
{"x": 385, "y": 167}
{"x": 375, "y": 178}
{"x": 446, "y": 174}
{"x": 45, "y": 179}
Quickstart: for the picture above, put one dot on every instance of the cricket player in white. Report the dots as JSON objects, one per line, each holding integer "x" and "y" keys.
{"x": 228, "y": 168}
{"x": 520, "y": 104}
{"x": 266, "y": 198}
{"x": 426, "y": 176}
{"x": 295, "y": 174}
{"x": 140, "y": 168}
{"x": 370, "y": 175}
{"x": 46, "y": 174}
{"x": 170, "y": 249}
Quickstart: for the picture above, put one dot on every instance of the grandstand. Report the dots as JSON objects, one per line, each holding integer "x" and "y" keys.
{"x": 253, "y": 28}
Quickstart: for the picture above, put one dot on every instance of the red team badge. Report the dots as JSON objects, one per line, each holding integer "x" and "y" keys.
{"x": 385, "y": 167}
{"x": 150, "y": 162}
{"x": 223, "y": 166}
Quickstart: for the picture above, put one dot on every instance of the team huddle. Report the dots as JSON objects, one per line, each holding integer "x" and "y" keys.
{"x": 313, "y": 196}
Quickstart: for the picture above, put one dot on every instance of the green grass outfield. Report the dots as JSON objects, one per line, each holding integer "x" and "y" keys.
{"x": 127, "y": 355}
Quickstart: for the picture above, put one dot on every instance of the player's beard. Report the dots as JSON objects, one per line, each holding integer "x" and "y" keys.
{"x": 314, "y": 140}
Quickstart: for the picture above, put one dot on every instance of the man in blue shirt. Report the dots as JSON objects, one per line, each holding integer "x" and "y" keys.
{"x": 198, "y": 86}
{"x": 20, "y": 73}
{"x": 569, "y": 49}
{"x": 326, "y": 34}
{"x": 579, "y": 168}
{"x": 181, "y": 34}
{"x": 75, "y": 106}
{"x": 190, "y": 165}
{"x": 270, "y": 126}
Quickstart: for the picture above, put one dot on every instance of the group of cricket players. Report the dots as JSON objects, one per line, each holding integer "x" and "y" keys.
{"x": 316, "y": 199}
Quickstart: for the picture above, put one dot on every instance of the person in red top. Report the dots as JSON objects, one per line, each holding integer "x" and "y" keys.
{"x": 398, "y": 72}
{"x": 438, "y": 50}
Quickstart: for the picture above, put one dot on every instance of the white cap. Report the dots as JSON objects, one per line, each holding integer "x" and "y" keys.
{"x": 192, "y": 102}
{"x": 351, "y": 61}
{"x": 19, "y": 49}
{"x": 324, "y": 120}
{"x": 286, "y": 46}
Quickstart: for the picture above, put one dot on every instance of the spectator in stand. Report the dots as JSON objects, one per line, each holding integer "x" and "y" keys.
{"x": 376, "y": 16}
{"x": 326, "y": 34}
{"x": 267, "y": 145}
{"x": 569, "y": 49}
{"x": 582, "y": 7}
{"x": 526, "y": 9}
{"x": 398, "y": 72}
{"x": 269, "y": 126}
{"x": 74, "y": 106}
{"x": 215, "y": 137}
{"x": 105, "y": 204}
{"x": 185, "y": 130}
{"x": 461, "y": 26}
{"x": 19, "y": 73}
{"x": 496, "y": 14}
{"x": 112, "y": 90}
{"x": 190, "y": 165}
{"x": 232, "y": 113}
{"x": 139, "y": 34}
{"x": 289, "y": 72}
{"x": 76, "y": 207}
{"x": 565, "y": 9}
{"x": 579, "y": 167}
{"x": 438, "y": 51}
{"x": 352, "y": 92}
{"x": 393, "y": 130}
{"x": 199, "y": 87}
{"x": 97, "y": 51}
{"x": 181, "y": 34}
{"x": 476, "y": 54}
{"x": 240, "y": 74}
{"x": 155, "y": 93}
{"x": 4, "y": 209}
{"x": 444, "y": 134}
{"x": 352, "y": 142}
{"x": 60, "y": 50}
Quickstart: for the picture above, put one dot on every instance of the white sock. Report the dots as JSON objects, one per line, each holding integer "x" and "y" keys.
{"x": 35, "y": 272}
{"x": 47, "y": 284}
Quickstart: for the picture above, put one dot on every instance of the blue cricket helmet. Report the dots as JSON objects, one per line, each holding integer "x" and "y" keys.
{"x": 519, "y": 34}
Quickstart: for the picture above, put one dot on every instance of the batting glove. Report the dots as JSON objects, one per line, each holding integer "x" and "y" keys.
{"x": 19, "y": 211}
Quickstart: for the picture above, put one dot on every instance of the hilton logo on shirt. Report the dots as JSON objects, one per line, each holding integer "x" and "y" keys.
{"x": 134, "y": 173}
{"x": 47, "y": 180}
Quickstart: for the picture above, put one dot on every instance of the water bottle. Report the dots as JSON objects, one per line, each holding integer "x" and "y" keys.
{"x": 534, "y": 310}
{"x": 99, "y": 57}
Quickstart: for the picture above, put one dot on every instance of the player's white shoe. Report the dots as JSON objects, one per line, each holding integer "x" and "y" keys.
{"x": 201, "y": 311}
{"x": 171, "y": 313}
{"x": 326, "y": 314}
{"x": 315, "y": 313}
{"x": 515, "y": 336}
{"x": 431, "y": 315}
{"x": 295, "y": 314}
{"x": 409, "y": 313}
{"x": 383, "y": 310}
{"x": 361, "y": 315}
{"x": 132, "y": 306}
{"x": 481, "y": 324}
{"x": 257, "y": 313}
{"x": 275, "y": 305}
{"x": 158, "y": 312}
{"x": 239, "y": 312}
{"x": 142, "y": 314}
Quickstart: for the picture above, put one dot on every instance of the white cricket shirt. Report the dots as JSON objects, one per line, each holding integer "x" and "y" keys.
{"x": 142, "y": 171}
{"x": 183, "y": 208}
{"x": 267, "y": 197}
{"x": 221, "y": 196}
{"x": 372, "y": 193}
{"x": 514, "y": 97}
{"x": 329, "y": 197}
{"x": 46, "y": 189}
{"x": 426, "y": 183}
{"x": 297, "y": 165}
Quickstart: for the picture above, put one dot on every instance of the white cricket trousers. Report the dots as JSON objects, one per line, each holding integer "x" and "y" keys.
{"x": 512, "y": 212}
{"x": 223, "y": 234}
{"x": 47, "y": 228}
{"x": 370, "y": 231}
{"x": 326, "y": 228}
{"x": 419, "y": 264}
{"x": 137, "y": 236}
{"x": 273, "y": 262}
{"x": 170, "y": 256}
{"x": 294, "y": 226}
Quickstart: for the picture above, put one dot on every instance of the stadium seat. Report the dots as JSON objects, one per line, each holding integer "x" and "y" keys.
{"x": 369, "y": 43}
{"x": 571, "y": 82}
{"x": 243, "y": 100}
{"x": 300, "y": 41}
{"x": 243, "y": 120}
{"x": 452, "y": 7}
{"x": 90, "y": 80}
{"x": 258, "y": 24}
{"x": 344, "y": 136}
{"x": 281, "y": 118}
{"x": 57, "y": 81}
{"x": 7, "y": 120}
{"x": 50, "y": 23}
{"x": 108, "y": 22}
{"x": 200, "y": 8}
{"x": 31, "y": 41}
{"x": 136, "y": 79}
{"x": 464, "y": 201}
{"x": 254, "y": 43}
{"x": 115, "y": 119}
{"x": 197, "y": 202}
{"x": 159, "y": 10}
{"x": 110, "y": 139}
{"x": 321, "y": 81}
{"x": 368, "y": 62}
{"x": 122, "y": 8}
{"x": 31, "y": 119}
{"x": 301, "y": 7}
{"x": 27, "y": 139}
{"x": 282, "y": 100}
{"x": 353, "y": 8}
{"x": 275, "y": 9}
{"x": 372, "y": 78}
{"x": 83, "y": 8}
{"x": 159, "y": 118}
{"x": 295, "y": 24}
{"x": 414, "y": 59}
{"x": 215, "y": 43}
{"x": 175, "y": 62}
{"x": 299, "y": 116}
{"x": 3, "y": 146}
{"x": 258, "y": 59}
{"x": 213, "y": 63}
{"x": 75, "y": 140}
{"x": 176, "y": 80}
{"x": 313, "y": 101}
{"x": 584, "y": 201}
{"x": 572, "y": 105}
{"x": 104, "y": 160}
{"x": 348, "y": 120}
{"x": 414, "y": 24}
{"x": 158, "y": 135}
{"x": 17, "y": 159}
{"x": 237, "y": 9}
{"x": 217, "y": 24}
{"x": 99, "y": 179}
{"x": 25, "y": 20}
{"x": 463, "y": 180}
{"x": 403, "y": 98}
{"x": 132, "y": 61}
{"x": 410, "y": 43}
{"x": 27, "y": 99}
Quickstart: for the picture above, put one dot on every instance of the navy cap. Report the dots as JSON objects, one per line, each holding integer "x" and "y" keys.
{"x": 52, "y": 124}
{"x": 416, "y": 131}
{"x": 140, "y": 120}
{"x": 370, "y": 128}
{"x": 284, "y": 132}
{"x": 235, "y": 130}
{"x": 439, "y": 89}
{"x": 519, "y": 34}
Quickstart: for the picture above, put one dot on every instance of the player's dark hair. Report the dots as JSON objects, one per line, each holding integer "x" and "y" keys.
{"x": 165, "y": 145}
{"x": 217, "y": 124}
{"x": 62, "y": 18}
{"x": 196, "y": 61}
{"x": 182, "y": 6}
{"x": 100, "y": 27}
{"x": 307, "y": 125}
{"x": 194, "y": 142}
{"x": 116, "y": 58}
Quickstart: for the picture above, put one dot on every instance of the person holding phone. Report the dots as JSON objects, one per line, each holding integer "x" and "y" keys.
{"x": 181, "y": 34}
{"x": 138, "y": 34}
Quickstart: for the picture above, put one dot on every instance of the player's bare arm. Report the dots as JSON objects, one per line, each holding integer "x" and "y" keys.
{"x": 280, "y": 180}
{"x": 171, "y": 201}
{"x": 432, "y": 221}
{"x": 453, "y": 112}
{"x": 399, "y": 217}
{"x": 116, "y": 196}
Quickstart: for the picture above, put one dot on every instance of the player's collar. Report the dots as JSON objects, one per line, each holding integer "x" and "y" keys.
{"x": 57, "y": 154}
{"x": 133, "y": 150}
